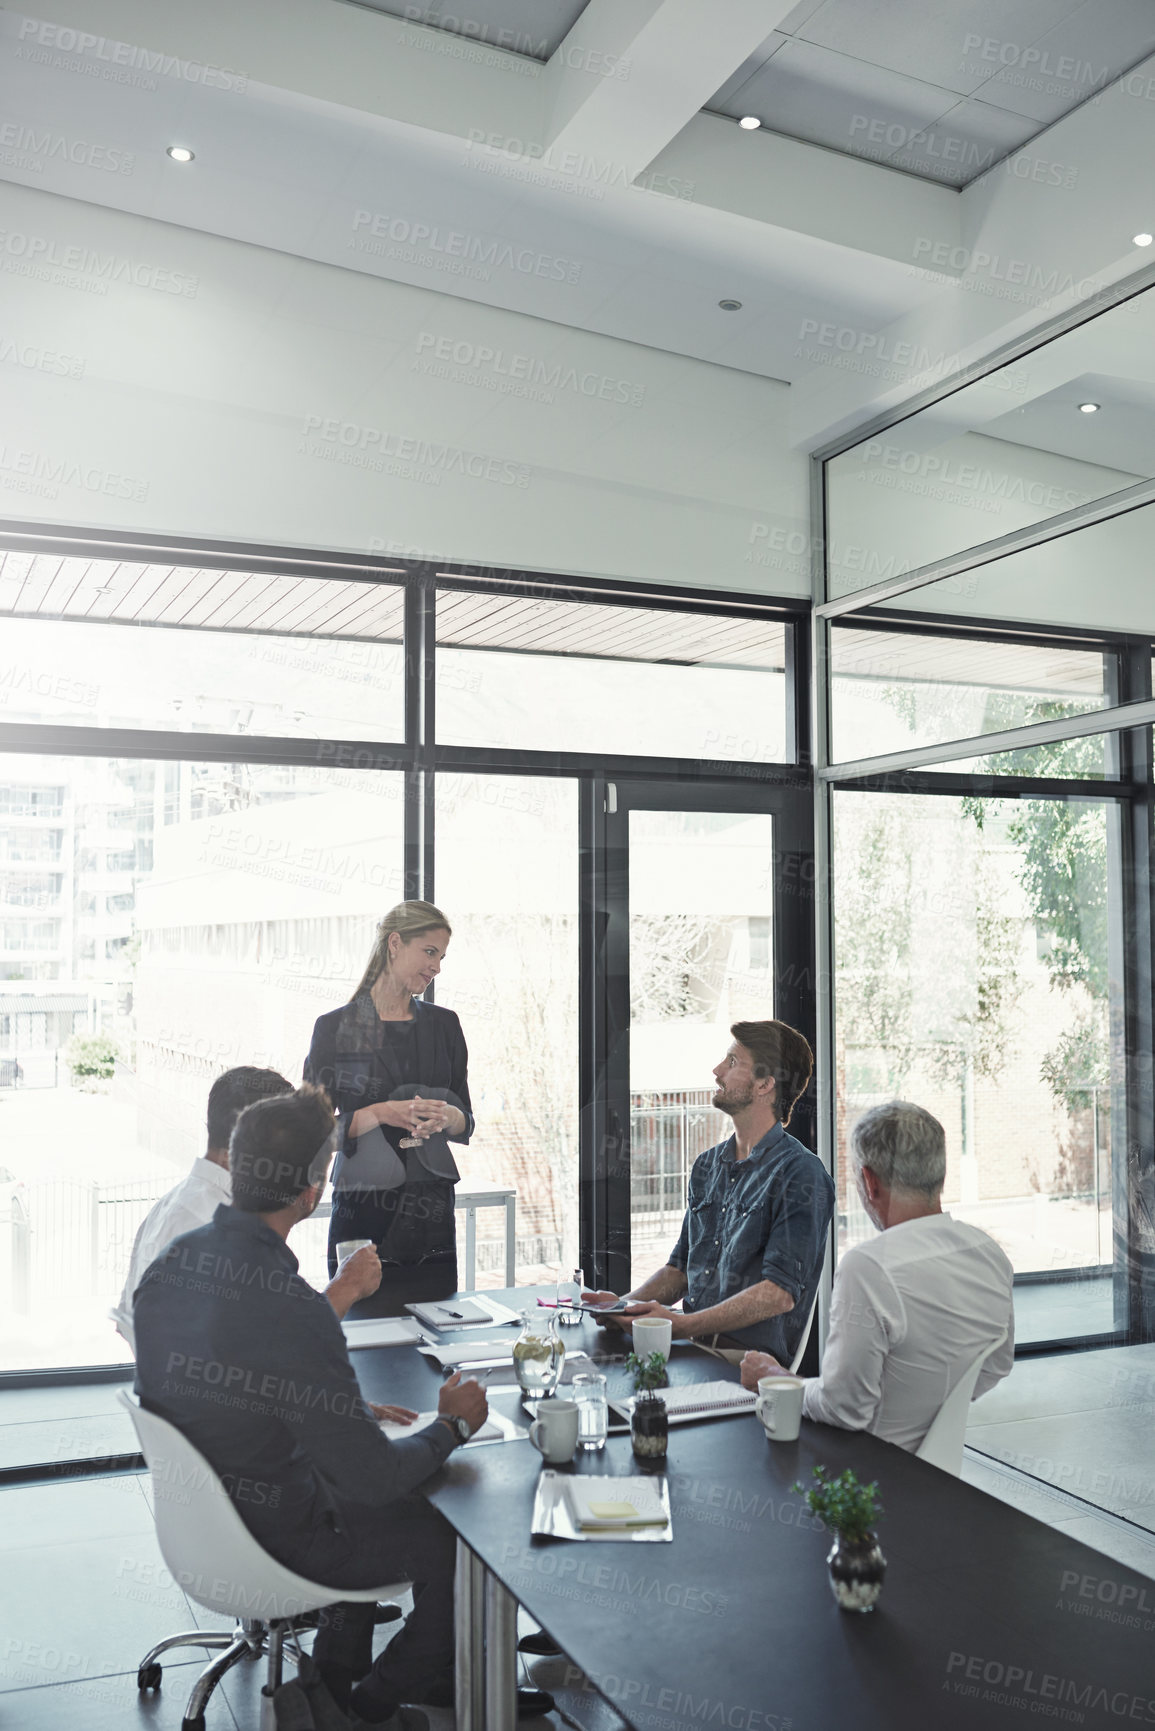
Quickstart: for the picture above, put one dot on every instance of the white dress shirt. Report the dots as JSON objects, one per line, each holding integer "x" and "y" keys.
{"x": 911, "y": 1311}
{"x": 189, "y": 1204}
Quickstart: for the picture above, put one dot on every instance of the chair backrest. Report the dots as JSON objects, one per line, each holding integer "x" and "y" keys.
{"x": 797, "y": 1359}
{"x": 942, "y": 1445}
{"x": 122, "y": 1321}
{"x": 209, "y": 1550}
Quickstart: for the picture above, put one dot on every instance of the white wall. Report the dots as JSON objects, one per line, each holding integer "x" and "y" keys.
{"x": 162, "y": 380}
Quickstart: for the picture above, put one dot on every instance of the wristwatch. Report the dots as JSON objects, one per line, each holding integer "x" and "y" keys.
{"x": 460, "y": 1426}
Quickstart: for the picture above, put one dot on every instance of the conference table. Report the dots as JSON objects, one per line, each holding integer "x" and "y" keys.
{"x": 987, "y": 1617}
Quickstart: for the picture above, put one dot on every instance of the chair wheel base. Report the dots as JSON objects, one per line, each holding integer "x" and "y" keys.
{"x": 534, "y": 1703}
{"x": 148, "y": 1677}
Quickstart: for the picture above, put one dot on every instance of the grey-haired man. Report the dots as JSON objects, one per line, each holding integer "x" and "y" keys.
{"x": 913, "y": 1307}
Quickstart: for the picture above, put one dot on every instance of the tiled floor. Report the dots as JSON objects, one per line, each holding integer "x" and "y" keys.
{"x": 85, "y": 1594}
{"x": 1064, "y": 1309}
{"x": 76, "y": 1421}
{"x": 1080, "y": 1424}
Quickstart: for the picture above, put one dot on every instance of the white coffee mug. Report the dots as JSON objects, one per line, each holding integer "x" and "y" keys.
{"x": 350, "y": 1246}
{"x": 779, "y": 1406}
{"x": 652, "y": 1334}
{"x": 554, "y": 1432}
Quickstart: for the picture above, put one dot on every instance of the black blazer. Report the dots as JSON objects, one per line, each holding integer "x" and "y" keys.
{"x": 351, "y": 1061}
{"x": 357, "y": 1066}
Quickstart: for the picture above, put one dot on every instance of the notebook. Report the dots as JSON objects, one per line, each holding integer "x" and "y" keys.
{"x": 457, "y": 1352}
{"x": 701, "y": 1400}
{"x": 452, "y": 1313}
{"x": 382, "y": 1331}
{"x": 600, "y": 1504}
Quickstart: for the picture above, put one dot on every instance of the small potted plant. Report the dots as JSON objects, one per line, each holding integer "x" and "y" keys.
{"x": 856, "y": 1563}
{"x": 649, "y": 1422}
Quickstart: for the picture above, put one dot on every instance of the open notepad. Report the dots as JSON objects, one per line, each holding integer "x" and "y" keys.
{"x": 600, "y": 1504}
{"x": 700, "y": 1400}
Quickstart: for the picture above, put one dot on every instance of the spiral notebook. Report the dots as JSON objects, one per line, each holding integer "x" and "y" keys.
{"x": 695, "y": 1400}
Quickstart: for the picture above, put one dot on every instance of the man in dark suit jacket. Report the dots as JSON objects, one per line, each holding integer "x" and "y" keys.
{"x": 250, "y": 1363}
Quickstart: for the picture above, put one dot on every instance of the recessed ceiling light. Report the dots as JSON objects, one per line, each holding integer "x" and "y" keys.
{"x": 730, "y": 306}
{"x": 1088, "y": 408}
{"x": 1142, "y": 239}
{"x": 179, "y": 153}
{"x": 749, "y": 123}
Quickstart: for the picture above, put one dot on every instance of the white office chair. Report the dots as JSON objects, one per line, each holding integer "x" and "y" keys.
{"x": 215, "y": 1560}
{"x": 122, "y": 1321}
{"x": 797, "y": 1359}
{"x": 942, "y": 1445}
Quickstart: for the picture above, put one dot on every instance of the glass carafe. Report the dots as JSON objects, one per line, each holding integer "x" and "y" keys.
{"x": 538, "y": 1355}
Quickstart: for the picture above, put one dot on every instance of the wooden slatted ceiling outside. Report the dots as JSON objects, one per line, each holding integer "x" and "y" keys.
{"x": 525, "y": 623}
{"x": 886, "y": 655}
{"x": 112, "y": 591}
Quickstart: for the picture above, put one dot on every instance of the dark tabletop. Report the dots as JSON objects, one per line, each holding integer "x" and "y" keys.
{"x": 987, "y": 1617}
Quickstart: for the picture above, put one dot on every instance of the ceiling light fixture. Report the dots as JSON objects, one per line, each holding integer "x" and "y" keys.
{"x": 1142, "y": 239}
{"x": 1089, "y": 408}
{"x": 749, "y": 123}
{"x": 179, "y": 153}
{"x": 730, "y": 306}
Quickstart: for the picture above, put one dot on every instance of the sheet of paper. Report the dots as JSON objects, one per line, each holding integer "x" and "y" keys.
{"x": 497, "y": 1428}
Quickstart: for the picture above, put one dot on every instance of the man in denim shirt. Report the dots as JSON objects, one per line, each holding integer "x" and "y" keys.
{"x": 749, "y": 1257}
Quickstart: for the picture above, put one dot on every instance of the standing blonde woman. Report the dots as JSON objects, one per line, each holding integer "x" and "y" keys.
{"x": 394, "y": 1067}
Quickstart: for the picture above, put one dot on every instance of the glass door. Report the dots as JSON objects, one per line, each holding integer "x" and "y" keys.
{"x": 701, "y": 918}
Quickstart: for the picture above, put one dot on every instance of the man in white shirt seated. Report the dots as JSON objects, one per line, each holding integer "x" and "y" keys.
{"x": 193, "y": 1202}
{"x": 913, "y": 1308}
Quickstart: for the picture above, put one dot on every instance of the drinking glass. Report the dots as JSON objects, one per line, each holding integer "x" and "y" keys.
{"x": 589, "y": 1391}
{"x": 569, "y": 1297}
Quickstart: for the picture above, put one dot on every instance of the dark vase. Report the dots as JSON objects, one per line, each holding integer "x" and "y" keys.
{"x": 857, "y": 1569}
{"x": 649, "y": 1427}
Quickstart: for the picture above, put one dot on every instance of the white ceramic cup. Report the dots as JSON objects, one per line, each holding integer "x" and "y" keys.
{"x": 350, "y": 1246}
{"x": 554, "y": 1432}
{"x": 779, "y": 1406}
{"x": 652, "y": 1334}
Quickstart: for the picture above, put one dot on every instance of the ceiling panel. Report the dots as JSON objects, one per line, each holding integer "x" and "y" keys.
{"x": 534, "y": 28}
{"x": 1067, "y": 64}
{"x": 829, "y": 98}
{"x": 963, "y": 143}
{"x": 929, "y": 41}
{"x": 943, "y": 91}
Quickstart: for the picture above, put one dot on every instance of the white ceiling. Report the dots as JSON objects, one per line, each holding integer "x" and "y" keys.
{"x": 345, "y": 108}
{"x": 288, "y": 172}
{"x": 535, "y": 28}
{"x": 945, "y": 89}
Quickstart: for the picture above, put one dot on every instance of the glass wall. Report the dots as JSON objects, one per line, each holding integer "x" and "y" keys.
{"x": 171, "y": 908}
{"x": 991, "y": 941}
{"x": 1058, "y": 428}
{"x": 188, "y": 917}
{"x": 701, "y": 957}
{"x": 507, "y": 877}
{"x": 972, "y": 975}
{"x": 572, "y": 676}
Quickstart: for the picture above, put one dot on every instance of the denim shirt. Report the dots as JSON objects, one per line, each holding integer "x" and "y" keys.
{"x": 763, "y": 1218}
